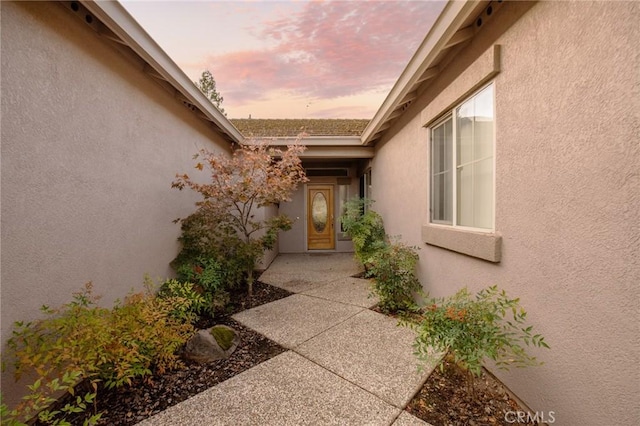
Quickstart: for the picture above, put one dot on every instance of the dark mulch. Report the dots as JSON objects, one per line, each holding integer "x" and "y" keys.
{"x": 132, "y": 404}
{"x": 446, "y": 399}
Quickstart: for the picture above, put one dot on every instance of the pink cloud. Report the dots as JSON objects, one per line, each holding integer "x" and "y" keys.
{"x": 327, "y": 50}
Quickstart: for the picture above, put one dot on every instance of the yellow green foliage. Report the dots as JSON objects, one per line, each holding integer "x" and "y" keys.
{"x": 84, "y": 341}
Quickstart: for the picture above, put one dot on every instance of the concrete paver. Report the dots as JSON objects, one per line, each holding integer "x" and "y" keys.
{"x": 295, "y": 319}
{"x": 285, "y": 390}
{"x": 406, "y": 419}
{"x": 347, "y": 365}
{"x": 370, "y": 350}
{"x": 352, "y": 291}
{"x": 302, "y": 272}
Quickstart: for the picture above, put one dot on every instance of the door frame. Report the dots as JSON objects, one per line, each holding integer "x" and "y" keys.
{"x": 330, "y": 214}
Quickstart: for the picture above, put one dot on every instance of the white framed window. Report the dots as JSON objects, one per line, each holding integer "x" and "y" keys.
{"x": 462, "y": 164}
{"x": 341, "y": 200}
{"x": 366, "y": 188}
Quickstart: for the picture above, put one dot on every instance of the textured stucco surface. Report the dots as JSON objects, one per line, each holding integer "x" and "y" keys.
{"x": 567, "y": 199}
{"x": 90, "y": 145}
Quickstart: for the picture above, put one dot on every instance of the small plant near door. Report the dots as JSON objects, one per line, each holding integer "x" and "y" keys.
{"x": 254, "y": 176}
{"x": 395, "y": 281}
{"x": 365, "y": 228}
{"x": 391, "y": 264}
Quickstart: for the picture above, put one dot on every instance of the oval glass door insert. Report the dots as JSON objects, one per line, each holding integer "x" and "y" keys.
{"x": 319, "y": 211}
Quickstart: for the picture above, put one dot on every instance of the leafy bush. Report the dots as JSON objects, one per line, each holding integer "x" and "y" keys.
{"x": 395, "y": 280}
{"x": 365, "y": 229}
{"x": 206, "y": 235}
{"x": 39, "y": 401}
{"x": 203, "y": 283}
{"x": 83, "y": 341}
{"x": 391, "y": 264}
{"x": 473, "y": 329}
{"x": 185, "y": 312}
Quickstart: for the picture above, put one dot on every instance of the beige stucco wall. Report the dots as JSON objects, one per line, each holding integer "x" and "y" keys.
{"x": 90, "y": 145}
{"x": 567, "y": 200}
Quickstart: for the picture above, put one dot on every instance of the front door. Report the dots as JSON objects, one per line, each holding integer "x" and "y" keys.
{"x": 320, "y": 233}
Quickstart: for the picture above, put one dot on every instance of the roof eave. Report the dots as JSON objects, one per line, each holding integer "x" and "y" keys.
{"x": 452, "y": 17}
{"x": 116, "y": 18}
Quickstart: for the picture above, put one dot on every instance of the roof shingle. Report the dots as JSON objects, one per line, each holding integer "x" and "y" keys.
{"x": 260, "y": 128}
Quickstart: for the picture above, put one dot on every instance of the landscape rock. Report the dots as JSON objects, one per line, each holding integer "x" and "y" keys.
{"x": 212, "y": 344}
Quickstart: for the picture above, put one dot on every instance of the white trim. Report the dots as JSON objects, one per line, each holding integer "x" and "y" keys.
{"x": 115, "y": 17}
{"x": 454, "y": 14}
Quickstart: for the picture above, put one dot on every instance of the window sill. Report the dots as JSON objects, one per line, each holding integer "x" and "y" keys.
{"x": 486, "y": 246}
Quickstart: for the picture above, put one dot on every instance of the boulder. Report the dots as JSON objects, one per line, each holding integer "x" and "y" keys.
{"x": 217, "y": 342}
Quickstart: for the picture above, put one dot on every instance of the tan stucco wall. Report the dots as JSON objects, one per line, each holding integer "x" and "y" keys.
{"x": 90, "y": 145}
{"x": 567, "y": 200}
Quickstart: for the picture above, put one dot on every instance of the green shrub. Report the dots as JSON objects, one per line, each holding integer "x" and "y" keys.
{"x": 37, "y": 403}
{"x": 395, "y": 280}
{"x": 365, "y": 228}
{"x": 473, "y": 329}
{"x": 208, "y": 278}
{"x": 194, "y": 302}
{"x": 207, "y": 235}
{"x": 83, "y": 341}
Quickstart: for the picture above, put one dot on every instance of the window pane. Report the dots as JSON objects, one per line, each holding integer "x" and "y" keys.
{"x": 441, "y": 175}
{"x": 474, "y": 160}
{"x": 465, "y": 195}
{"x": 464, "y": 136}
{"x": 483, "y": 124}
{"x": 343, "y": 197}
{"x": 441, "y": 205}
{"x": 483, "y": 194}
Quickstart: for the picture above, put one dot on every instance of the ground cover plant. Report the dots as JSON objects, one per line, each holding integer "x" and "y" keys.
{"x": 225, "y": 224}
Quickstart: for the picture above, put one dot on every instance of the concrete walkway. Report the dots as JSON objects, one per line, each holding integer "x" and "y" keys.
{"x": 346, "y": 365}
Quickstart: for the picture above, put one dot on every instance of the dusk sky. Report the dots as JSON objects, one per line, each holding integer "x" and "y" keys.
{"x": 291, "y": 59}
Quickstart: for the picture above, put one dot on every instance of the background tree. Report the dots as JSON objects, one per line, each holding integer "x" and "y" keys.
{"x": 255, "y": 176}
{"x": 207, "y": 85}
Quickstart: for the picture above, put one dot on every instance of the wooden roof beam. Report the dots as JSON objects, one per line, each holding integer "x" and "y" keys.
{"x": 428, "y": 74}
{"x": 460, "y": 36}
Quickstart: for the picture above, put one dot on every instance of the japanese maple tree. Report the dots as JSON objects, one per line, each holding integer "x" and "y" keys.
{"x": 254, "y": 176}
